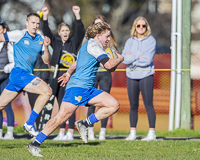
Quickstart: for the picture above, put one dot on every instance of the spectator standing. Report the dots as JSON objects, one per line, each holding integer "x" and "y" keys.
{"x": 138, "y": 52}
{"x": 7, "y": 64}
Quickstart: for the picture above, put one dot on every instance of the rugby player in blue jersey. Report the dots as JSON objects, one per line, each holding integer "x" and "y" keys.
{"x": 27, "y": 46}
{"x": 80, "y": 88}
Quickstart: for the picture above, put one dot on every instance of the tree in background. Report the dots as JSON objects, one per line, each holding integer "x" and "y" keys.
{"x": 119, "y": 13}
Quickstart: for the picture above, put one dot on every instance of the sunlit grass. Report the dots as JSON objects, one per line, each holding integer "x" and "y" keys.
{"x": 113, "y": 148}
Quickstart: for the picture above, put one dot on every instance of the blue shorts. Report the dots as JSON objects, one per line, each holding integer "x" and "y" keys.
{"x": 80, "y": 96}
{"x": 18, "y": 79}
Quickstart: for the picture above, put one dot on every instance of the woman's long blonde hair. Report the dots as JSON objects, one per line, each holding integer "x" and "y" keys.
{"x": 133, "y": 29}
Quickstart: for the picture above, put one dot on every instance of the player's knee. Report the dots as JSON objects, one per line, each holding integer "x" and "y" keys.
{"x": 48, "y": 91}
{"x": 115, "y": 105}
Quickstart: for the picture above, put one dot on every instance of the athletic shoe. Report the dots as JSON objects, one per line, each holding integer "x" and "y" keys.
{"x": 102, "y": 135}
{"x": 59, "y": 137}
{"x": 68, "y": 137}
{"x": 8, "y": 136}
{"x": 82, "y": 131}
{"x": 30, "y": 129}
{"x": 149, "y": 137}
{"x": 91, "y": 136}
{"x": 131, "y": 137}
{"x": 34, "y": 150}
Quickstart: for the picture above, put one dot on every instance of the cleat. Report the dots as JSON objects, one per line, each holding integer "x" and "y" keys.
{"x": 34, "y": 150}
{"x": 149, "y": 137}
{"x": 30, "y": 129}
{"x": 82, "y": 131}
{"x": 131, "y": 137}
{"x": 8, "y": 136}
{"x": 59, "y": 137}
{"x": 91, "y": 136}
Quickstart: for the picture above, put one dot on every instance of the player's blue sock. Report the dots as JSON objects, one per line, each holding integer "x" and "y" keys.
{"x": 92, "y": 118}
{"x": 40, "y": 137}
{"x": 32, "y": 118}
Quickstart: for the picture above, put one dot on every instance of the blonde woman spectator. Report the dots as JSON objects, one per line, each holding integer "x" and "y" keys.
{"x": 138, "y": 52}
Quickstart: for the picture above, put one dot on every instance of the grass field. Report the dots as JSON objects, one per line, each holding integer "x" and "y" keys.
{"x": 110, "y": 149}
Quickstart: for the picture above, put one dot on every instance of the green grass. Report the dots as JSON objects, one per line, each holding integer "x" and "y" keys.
{"x": 175, "y": 133}
{"x": 111, "y": 149}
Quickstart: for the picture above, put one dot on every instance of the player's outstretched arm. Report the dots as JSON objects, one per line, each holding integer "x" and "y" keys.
{"x": 46, "y": 56}
{"x": 66, "y": 76}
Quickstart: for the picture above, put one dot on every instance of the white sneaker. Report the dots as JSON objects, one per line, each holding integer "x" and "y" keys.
{"x": 68, "y": 137}
{"x": 30, "y": 129}
{"x": 102, "y": 136}
{"x": 59, "y": 137}
{"x": 91, "y": 136}
{"x": 82, "y": 131}
{"x": 149, "y": 137}
{"x": 131, "y": 137}
{"x": 8, "y": 136}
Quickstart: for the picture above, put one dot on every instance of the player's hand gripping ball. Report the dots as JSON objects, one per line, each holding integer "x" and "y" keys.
{"x": 112, "y": 55}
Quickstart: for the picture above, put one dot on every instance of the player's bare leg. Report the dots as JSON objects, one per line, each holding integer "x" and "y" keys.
{"x": 6, "y": 97}
{"x": 37, "y": 86}
{"x": 66, "y": 110}
{"x": 109, "y": 105}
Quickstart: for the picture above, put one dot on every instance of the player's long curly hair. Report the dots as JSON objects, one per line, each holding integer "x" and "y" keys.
{"x": 112, "y": 38}
{"x": 95, "y": 29}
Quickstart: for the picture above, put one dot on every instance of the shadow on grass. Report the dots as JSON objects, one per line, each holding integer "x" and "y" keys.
{"x": 67, "y": 144}
{"x": 77, "y": 137}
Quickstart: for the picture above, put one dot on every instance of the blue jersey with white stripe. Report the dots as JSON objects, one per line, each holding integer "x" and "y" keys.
{"x": 90, "y": 54}
{"x": 26, "y": 48}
